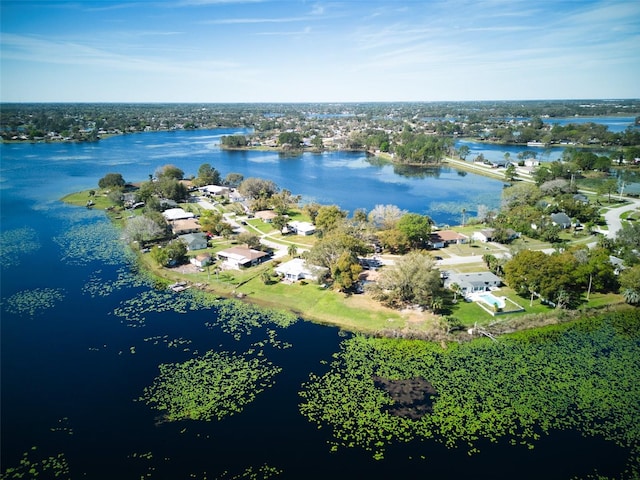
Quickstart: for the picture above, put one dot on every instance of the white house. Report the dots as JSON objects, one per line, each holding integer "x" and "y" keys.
{"x": 215, "y": 190}
{"x": 177, "y": 214}
{"x": 485, "y": 235}
{"x": 302, "y": 228}
{"x": 442, "y": 238}
{"x": 201, "y": 260}
{"x": 297, "y": 269}
{"x": 473, "y": 281}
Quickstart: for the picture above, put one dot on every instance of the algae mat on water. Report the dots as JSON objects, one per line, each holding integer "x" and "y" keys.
{"x": 580, "y": 376}
{"x": 210, "y": 387}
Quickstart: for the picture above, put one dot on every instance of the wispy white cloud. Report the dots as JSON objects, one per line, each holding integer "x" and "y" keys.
{"x": 255, "y": 20}
{"x": 305, "y": 31}
{"x": 46, "y": 51}
{"x": 192, "y": 3}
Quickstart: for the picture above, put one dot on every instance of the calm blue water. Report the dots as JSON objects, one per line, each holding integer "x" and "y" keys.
{"x": 614, "y": 124}
{"x": 350, "y": 180}
{"x": 69, "y": 377}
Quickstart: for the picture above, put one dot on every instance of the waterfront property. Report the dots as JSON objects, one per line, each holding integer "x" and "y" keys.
{"x": 473, "y": 282}
{"x": 242, "y": 257}
{"x": 493, "y": 304}
{"x": 298, "y": 269}
{"x": 172, "y": 214}
{"x": 184, "y": 226}
{"x": 194, "y": 241}
{"x": 201, "y": 260}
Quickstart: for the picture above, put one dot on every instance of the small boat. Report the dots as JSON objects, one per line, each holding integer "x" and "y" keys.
{"x": 179, "y": 286}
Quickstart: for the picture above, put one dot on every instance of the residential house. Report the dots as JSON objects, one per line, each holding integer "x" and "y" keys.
{"x": 201, "y": 260}
{"x": 266, "y": 216}
{"x": 242, "y": 257}
{"x": 182, "y": 227}
{"x": 561, "y": 219}
{"x": 194, "y": 241}
{"x": 215, "y": 190}
{"x": 473, "y": 281}
{"x": 172, "y": 214}
{"x": 442, "y": 238}
{"x": 302, "y": 228}
{"x": 618, "y": 264}
{"x": 297, "y": 269}
{"x": 485, "y": 235}
{"x": 236, "y": 196}
{"x": 488, "y": 234}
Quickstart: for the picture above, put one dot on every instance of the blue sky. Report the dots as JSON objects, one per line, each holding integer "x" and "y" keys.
{"x": 318, "y": 51}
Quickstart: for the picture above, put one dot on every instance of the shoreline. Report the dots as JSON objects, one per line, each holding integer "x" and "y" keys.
{"x": 356, "y": 313}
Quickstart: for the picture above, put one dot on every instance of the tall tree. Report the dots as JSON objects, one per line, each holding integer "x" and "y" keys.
{"x": 329, "y": 217}
{"x": 207, "y": 175}
{"x": 111, "y": 180}
{"x": 257, "y": 187}
{"x": 385, "y": 217}
{"x": 412, "y": 280}
{"x": 416, "y": 227}
{"x": 169, "y": 171}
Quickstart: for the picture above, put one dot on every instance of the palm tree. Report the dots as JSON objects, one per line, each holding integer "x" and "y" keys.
{"x": 631, "y": 296}
{"x": 455, "y": 288}
{"x": 436, "y": 304}
{"x": 464, "y": 213}
{"x": 292, "y": 250}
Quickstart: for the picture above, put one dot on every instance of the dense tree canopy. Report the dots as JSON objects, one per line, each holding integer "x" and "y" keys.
{"x": 111, "y": 180}
{"x": 253, "y": 188}
{"x": 207, "y": 175}
{"x": 328, "y": 218}
{"x": 552, "y": 277}
{"x": 415, "y": 227}
{"x": 412, "y": 280}
{"x": 169, "y": 172}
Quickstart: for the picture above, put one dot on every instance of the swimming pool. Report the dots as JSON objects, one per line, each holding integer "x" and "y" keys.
{"x": 490, "y": 299}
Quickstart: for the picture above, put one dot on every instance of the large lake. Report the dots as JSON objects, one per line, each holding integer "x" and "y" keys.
{"x": 73, "y": 364}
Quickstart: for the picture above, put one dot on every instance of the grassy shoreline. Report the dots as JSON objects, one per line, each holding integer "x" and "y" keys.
{"x": 313, "y": 302}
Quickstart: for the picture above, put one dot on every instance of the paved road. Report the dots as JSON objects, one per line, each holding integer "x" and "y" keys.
{"x": 612, "y": 217}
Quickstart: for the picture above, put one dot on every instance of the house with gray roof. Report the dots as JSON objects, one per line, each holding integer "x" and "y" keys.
{"x": 473, "y": 281}
{"x": 561, "y": 219}
{"x": 194, "y": 241}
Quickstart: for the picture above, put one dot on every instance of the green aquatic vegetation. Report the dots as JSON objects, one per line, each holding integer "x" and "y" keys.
{"x": 99, "y": 241}
{"x": 583, "y": 376}
{"x": 29, "y": 303}
{"x": 170, "y": 343}
{"x": 96, "y": 286}
{"x": 34, "y": 465}
{"x": 210, "y": 387}
{"x": 134, "y": 310}
{"x": 63, "y": 426}
{"x": 238, "y": 318}
{"x": 263, "y": 472}
{"x": 17, "y": 242}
